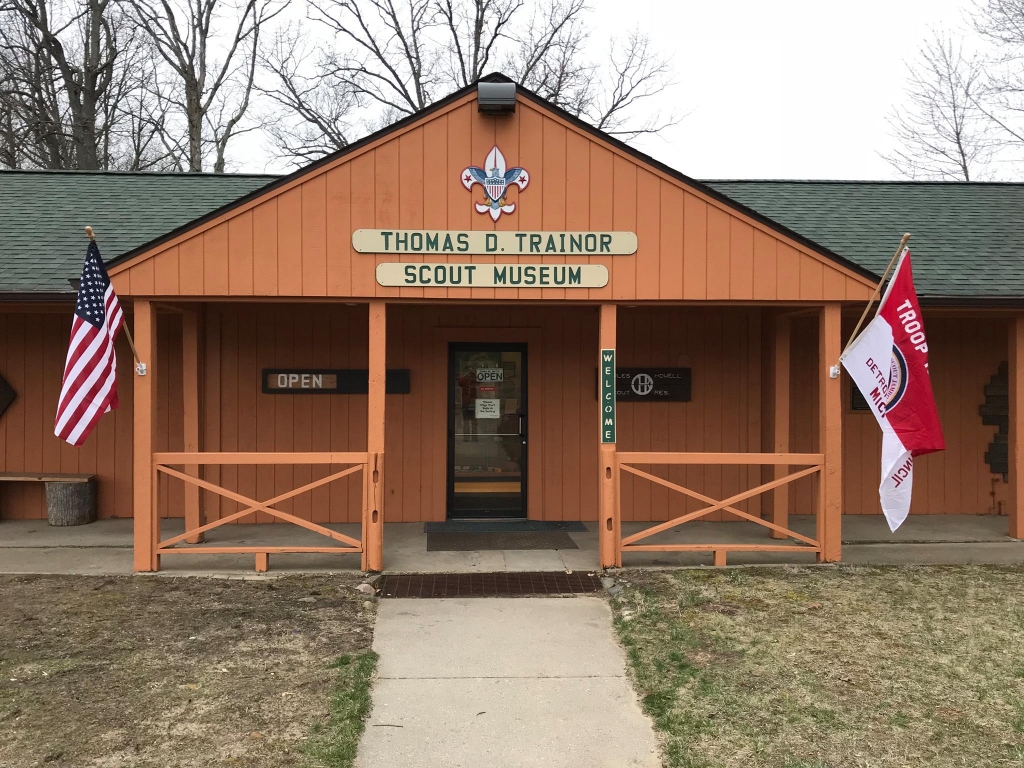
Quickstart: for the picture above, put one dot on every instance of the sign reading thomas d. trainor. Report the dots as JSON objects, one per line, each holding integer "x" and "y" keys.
{"x": 392, "y": 273}
{"x": 483, "y": 242}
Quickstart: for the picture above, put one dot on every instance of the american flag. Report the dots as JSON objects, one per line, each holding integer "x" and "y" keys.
{"x": 90, "y": 373}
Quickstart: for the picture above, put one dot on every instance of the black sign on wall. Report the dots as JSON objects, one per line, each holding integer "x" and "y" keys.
{"x": 331, "y": 381}
{"x": 661, "y": 385}
{"x": 7, "y": 394}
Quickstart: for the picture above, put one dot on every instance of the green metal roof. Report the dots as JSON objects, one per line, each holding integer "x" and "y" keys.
{"x": 43, "y": 215}
{"x": 967, "y": 238}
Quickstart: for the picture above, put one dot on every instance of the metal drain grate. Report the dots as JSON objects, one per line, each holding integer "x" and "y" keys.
{"x": 488, "y": 584}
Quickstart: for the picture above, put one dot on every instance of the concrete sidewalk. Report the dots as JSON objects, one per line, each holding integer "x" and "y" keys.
{"x": 502, "y": 683}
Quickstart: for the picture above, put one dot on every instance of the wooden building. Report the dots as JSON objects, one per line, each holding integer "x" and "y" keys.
{"x": 412, "y": 329}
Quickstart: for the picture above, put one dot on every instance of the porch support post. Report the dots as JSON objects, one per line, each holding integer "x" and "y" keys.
{"x": 609, "y": 524}
{"x": 830, "y": 425}
{"x": 190, "y": 388}
{"x": 373, "y": 513}
{"x": 780, "y": 502}
{"x": 144, "y": 490}
{"x": 1016, "y": 417}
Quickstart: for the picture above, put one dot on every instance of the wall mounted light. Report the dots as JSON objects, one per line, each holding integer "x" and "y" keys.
{"x": 496, "y": 98}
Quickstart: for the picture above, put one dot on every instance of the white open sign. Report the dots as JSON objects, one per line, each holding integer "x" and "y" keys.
{"x": 489, "y": 374}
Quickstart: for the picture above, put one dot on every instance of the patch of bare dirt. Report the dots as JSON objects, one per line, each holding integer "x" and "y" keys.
{"x": 170, "y": 672}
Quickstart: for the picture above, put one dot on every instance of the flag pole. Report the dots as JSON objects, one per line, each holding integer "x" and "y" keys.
{"x": 139, "y": 365}
{"x": 874, "y": 295}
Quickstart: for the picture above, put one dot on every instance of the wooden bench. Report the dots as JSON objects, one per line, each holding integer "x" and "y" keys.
{"x": 70, "y": 498}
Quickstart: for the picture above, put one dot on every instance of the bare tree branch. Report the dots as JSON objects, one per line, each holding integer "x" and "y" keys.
{"x": 316, "y": 114}
{"x": 211, "y": 76}
{"x": 70, "y": 68}
{"x": 942, "y": 127}
{"x": 395, "y": 57}
{"x": 1001, "y": 22}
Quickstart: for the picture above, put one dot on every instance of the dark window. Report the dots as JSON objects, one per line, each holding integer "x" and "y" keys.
{"x": 857, "y": 401}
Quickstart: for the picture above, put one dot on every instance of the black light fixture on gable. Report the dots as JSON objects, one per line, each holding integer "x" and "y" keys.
{"x": 496, "y": 98}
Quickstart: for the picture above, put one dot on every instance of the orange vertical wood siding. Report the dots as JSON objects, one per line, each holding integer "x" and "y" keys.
{"x": 725, "y": 350}
{"x": 296, "y": 240}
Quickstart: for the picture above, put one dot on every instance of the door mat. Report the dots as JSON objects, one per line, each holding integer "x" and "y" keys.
{"x": 504, "y": 526}
{"x": 476, "y": 542}
{"x": 489, "y": 584}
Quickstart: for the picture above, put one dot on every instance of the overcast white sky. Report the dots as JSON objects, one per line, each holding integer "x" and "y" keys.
{"x": 788, "y": 89}
{"x": 783, "y": 89}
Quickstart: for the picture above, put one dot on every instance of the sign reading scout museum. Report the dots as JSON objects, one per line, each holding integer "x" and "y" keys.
{"x": 496, "y": 178}
{"x": 393, "y": 273}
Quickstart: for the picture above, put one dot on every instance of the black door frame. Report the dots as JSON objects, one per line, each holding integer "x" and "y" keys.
{"x": 455, "y": 347}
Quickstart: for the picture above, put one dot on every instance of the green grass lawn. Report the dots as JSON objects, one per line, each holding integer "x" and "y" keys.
{"x": 837, "y": 667}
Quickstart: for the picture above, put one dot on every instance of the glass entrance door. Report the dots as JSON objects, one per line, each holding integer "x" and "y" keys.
{"x": 487, "y": 430}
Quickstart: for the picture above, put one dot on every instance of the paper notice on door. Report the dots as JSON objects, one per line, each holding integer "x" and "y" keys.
{"x": 488, "y": 408}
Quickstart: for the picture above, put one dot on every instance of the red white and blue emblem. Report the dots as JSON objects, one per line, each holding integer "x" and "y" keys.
{"x": 495, "y": 178}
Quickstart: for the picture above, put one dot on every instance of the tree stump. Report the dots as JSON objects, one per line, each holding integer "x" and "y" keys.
{"x": 71, "y": 503}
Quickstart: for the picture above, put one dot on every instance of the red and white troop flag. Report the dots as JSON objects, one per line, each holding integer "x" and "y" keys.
{"x": 889, "y": 364}
{"x": 90, "y": 373}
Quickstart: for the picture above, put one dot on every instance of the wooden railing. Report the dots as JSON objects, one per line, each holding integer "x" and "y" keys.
{"x": 361, "y": 461}
{"x": 625, "y": 460}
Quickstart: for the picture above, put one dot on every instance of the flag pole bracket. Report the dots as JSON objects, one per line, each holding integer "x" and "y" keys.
{"x": 833, "y": 371}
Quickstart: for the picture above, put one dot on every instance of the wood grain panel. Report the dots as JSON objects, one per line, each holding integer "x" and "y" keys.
{"x": 530, "y": 208}
{"x": 718, "y": 250}
{"x": 143, "y": 278}
{"x": 670, "y": 241}
{"x": 165, "y": 267}
{"x": 506, "y": 137}
{"x": 553, "y": 179}
{"x": 722, "y": 348}
{"x": 314, "y": 236}
{"x": 460, "y": 155}
{"x": 482, "y": 133}
{"x": 410, "y": 178}
{"x": 190, "y": 266}
{"x": 436, "y": 182}
{"x": 765, "y": 261}
{"x": 410, "y": 208}
{"x": 215, "y": 260}
{"x": 289, "y": 242}
{"x": 623, "y": 272}
{"x": 602, "y": 213}
{"x": 388, "y": 183}
{"x": 264, "y": 259}
{"x": 339, "y": 231}
{"x": 648, "y": 232}
{"x": 240, "y": 254}
{"x": 363, "y": 201}
{"x": 33, "y": 346}
{"x": 787, "y": 273}
{"x": 741, "y": 259}
{"x": 695, "y": 247}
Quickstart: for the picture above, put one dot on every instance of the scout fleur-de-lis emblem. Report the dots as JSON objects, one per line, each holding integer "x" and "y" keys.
{"x": 495, "y": 178}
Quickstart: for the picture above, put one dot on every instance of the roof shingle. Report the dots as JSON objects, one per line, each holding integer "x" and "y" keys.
{"x": 42, "y": 237}
{"x": 967, "y": 238}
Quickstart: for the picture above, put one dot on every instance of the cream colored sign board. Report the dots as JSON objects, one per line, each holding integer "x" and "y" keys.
{"x": 505, "y": 243}
{"x": 487, "y": 408}
{"x": 398, "y": 274}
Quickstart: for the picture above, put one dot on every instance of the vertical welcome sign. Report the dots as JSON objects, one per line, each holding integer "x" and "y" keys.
{"x": 607, "y": 395}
